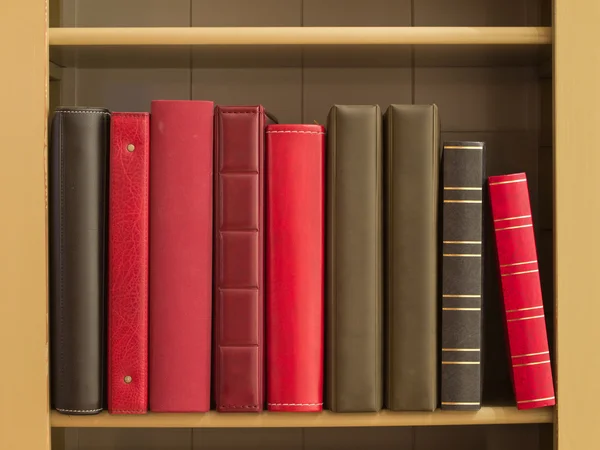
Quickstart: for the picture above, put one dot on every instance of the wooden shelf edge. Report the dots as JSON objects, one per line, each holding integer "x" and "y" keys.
{"x": 486, "y": 416}
{"x": 301, "y": 36}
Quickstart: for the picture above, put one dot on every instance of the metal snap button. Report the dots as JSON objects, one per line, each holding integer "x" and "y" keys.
{"x": 130, "y": 147}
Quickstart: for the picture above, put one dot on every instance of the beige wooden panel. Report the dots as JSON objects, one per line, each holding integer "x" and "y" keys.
{"x": 486, "y": 13}
{"x": 326, "y": 87}
{"x": 577, "y": 159}
{"x": 385, "y": 438}
{"x": 279, "y": 90}
{"x": 481, "y": 99}
{"x": 347, "y": 13}
{"x": 248, "y": 439}
{"x": 133, "y": 13}
{"x": 245, "y": 13}
{"x": 131, "y": 89}
{"x": 135, "y": 439}
{"x": 24, "y": 422}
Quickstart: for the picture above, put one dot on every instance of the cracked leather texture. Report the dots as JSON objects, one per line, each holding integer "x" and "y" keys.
{"x": 128, "y": 263}
{"x": 463, "y": 165}
{"x": 239, "y": 258}
{"x": 77, "y": 250}
{"x": 295, "y": 266}
{"x": 354, "y": 262}
{"x": 411, "y": 256}
{"x": 181, "y": 183}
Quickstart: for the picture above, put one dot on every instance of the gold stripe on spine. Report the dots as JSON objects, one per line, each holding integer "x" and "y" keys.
{"x": 525, "y": 318}
{"x": 513, "y": 218}
{"x": 518, "y": 273}
{"x": 463, "y": 147}
{"x": 519, "y": 264}
{"x": 524, "y": 309}
{"x": 514, "y": 228}
{"x": 520, "y": 180}
{"x": 461, "y": 242}
{"x": 450, "y": 188}
{"x": 462, "y": 201}
{"x": 461, "y": 403}
{"x": 461, "y": 309}
{"x": 472, "y": 255}
{"x": 536, "y": 400}
{"x": 461, "y": 362}
{"x": 530, "y": 354}
{"x": 461, "y": 349}
{"x": 461, "y": 296}
{"x": 532, "y": 364}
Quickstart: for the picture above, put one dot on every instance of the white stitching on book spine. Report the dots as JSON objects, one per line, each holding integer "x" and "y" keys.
{"x": 295, "y": 131}
{"x": 295, "y": 404}
{"x": 79, "y": 410}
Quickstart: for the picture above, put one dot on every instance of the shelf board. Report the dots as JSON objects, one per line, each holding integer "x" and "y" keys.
{"x": 486, "y": 416}
{"x": 256, "y": 36}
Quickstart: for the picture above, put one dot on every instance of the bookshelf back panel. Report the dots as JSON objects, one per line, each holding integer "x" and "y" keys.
{"x": 505, "y": 106}
{"x": 184, "y": 13}
{"x": 493, "y": 437}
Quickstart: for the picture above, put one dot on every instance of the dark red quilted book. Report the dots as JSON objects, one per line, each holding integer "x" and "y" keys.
{"x": 181, "y": 225}
{"x": 295, "y": 266}
{"x": 128, "y": 263}
{"x": 239, "y": 258}
{"x": 521, "y": 291}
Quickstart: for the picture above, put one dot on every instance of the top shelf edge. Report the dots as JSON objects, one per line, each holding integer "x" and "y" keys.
{"x": 282, "y": 36}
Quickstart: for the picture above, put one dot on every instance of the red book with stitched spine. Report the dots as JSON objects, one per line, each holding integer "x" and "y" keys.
{"x": 239, "y": 258}
{"x": 521, "y": 291}
{"x": 181, "y": 250}
{"x": 295, "y": 266}
{"x": 128, "y": 263}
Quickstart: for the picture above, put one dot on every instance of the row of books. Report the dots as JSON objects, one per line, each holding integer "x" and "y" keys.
{"x": 208, "y": 257}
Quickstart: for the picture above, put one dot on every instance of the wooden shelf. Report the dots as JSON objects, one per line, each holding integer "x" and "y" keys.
{"x": 487, "y": 415}
{"x": 247, "y": 36}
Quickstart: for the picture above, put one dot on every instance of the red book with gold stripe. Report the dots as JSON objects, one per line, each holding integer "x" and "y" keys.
{"x": 521, "y": 291}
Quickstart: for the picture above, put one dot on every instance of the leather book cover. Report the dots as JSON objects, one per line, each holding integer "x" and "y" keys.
{"x": 295, "y": 187}
{"x": 239, "y": 258}
{"x": 521, "y": 291}
{"x": 463, "y": 178}
{"x": 181, "y": 225}
{"x": 128, "y": 203}
{"x": 411, "y": 192}
{"x": 77, "y": 251}
{"x": 354, "y": 263}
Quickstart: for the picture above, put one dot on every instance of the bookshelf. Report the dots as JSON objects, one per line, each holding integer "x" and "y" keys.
{"x": 520, "y": 74}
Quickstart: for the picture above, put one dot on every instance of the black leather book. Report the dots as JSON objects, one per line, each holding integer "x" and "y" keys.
{"x": 411, "y": 193}
{"x": 77, "y": 222}
{"x": 462, "y": 274}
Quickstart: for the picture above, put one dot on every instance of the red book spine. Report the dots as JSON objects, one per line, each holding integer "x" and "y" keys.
{"x": 181, "y": 186}
{"x": 239, "y": 253}
{"x": 128, "y": 264}
{"x": 521, "y": 291}
{"x": 295, "y": 266}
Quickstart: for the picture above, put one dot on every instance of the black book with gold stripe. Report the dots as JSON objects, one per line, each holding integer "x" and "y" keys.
{"x": 463, "y": 177}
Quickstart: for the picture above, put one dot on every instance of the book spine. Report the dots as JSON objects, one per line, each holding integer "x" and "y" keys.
{"x": 181, "y": 212}
{"x": 354, "y": 263}
{"x": 521, "y": 291}
{"x": 295, "y": 266}
{"x": 239, "y": 258}
{"x": 77, "y": 247}
{"x": 462, "y": 274}
{"x": 128, "y": 263}
{"x": 411, "y": 254}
